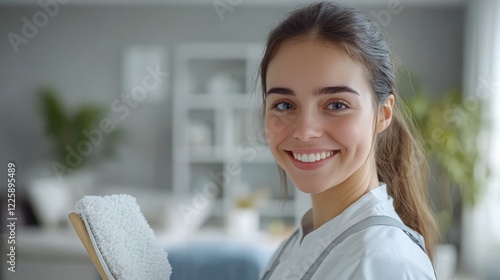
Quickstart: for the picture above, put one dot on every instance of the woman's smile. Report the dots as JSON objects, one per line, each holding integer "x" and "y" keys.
{"x": 310, "y": 159}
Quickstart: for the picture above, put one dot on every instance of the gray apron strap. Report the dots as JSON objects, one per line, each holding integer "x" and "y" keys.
{"x": 361, "y": 225}
{"x": 270, "y": 271}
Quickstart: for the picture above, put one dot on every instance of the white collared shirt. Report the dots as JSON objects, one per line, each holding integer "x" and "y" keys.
{"x": 375, "y": 253}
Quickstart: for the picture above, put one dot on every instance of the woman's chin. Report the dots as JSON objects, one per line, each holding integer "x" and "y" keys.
{"x": 311, "y": 188}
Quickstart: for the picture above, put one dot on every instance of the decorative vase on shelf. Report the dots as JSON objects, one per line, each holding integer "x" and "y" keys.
{"x": 199, "y": 134}
{"x": 243, "y": 222}
{"x": 244, "y": 218}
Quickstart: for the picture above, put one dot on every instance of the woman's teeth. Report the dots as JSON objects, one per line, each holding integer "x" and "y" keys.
{"x": 312, "y": 157}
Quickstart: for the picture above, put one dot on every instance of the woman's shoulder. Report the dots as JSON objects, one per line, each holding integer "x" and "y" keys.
{"x": 385, "y": 240}
{"x": 367, "y": 251}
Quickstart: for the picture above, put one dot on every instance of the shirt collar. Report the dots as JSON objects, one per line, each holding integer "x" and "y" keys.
{"x": 375, "y": 196}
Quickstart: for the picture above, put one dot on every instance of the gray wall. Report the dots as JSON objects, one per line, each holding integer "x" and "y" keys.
{"x": 78, "y": 52}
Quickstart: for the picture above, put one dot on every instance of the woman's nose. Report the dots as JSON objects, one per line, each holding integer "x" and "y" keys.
{"x": 307, "y": 126}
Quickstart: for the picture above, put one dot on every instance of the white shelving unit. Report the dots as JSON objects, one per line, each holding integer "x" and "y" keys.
{"x": 217, "y": 137}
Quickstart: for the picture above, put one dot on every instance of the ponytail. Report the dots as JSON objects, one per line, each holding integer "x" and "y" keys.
{"x": 402, "y": 165}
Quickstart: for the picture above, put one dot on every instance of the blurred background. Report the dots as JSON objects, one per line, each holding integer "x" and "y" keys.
{"x": 159, "y": 99}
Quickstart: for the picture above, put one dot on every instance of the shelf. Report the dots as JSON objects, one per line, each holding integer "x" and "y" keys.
{"x": 217, "y": 128}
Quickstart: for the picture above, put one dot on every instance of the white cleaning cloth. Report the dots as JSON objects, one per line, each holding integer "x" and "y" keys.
{"x": 123, "y": 238}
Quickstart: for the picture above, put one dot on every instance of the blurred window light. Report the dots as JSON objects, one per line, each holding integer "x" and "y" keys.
{"x": 481, "y": 223}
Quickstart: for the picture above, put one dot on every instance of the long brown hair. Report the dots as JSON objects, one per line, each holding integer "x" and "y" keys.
{"x": 400, "y": 160}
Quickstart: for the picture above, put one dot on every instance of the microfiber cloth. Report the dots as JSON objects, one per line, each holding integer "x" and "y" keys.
{"x": 126, "y": 246}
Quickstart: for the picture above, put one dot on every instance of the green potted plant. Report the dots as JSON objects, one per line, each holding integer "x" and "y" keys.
{"x": 79, "y": 138}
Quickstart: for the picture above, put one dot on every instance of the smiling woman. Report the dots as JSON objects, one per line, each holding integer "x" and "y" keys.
{"x": 334, "y": 129}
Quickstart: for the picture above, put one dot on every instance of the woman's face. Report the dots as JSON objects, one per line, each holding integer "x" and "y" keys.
{"x": 319, "y": 115}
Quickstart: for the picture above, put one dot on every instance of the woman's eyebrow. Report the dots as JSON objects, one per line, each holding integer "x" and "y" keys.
{"x": 280, "y": 90}
{"x": 320, "y": 91}
{"x": 335, "y": 89}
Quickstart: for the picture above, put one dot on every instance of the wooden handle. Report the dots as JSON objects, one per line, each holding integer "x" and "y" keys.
{"x": 82, "y": 233}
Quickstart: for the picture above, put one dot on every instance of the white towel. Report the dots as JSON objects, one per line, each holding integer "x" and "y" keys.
{"x": 128, "y": 247}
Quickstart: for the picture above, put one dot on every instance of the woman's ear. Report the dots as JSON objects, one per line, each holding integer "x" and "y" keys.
{"x": 385, "y": 114}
